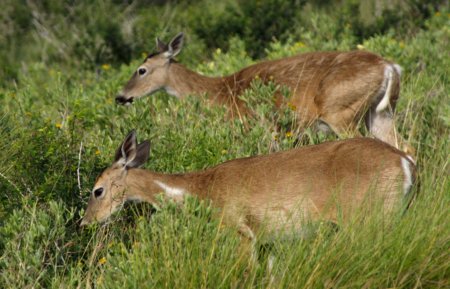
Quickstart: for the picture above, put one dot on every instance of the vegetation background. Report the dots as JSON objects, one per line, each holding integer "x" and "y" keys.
{"x": 62, "y": 62}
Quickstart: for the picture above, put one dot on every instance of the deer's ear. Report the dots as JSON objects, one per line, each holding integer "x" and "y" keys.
{"x": 130, "y": 154}
{"x": 175, "y": 46}
{"x": 127, "y": 150}
{"x": 141, "y": 156}
{"x": 161, "y": 47}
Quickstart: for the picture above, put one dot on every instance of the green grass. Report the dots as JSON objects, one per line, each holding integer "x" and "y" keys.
{"x": 60, "y": 128}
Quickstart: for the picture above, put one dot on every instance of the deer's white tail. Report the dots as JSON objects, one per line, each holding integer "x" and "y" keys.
{"x": 389, "y": 72}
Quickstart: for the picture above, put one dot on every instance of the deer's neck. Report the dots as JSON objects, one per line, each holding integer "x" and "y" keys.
{"x": 144, "y": 185}
{"x": 183, "y": 82}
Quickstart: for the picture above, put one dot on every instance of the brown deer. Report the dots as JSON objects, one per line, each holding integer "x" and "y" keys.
{"x": 276, "y": 191}
{"x": 336, "y": 88}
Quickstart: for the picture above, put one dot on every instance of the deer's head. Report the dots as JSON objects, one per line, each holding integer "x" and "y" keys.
{"x": 152, "y": 75}
{"x": 111, "y": 188}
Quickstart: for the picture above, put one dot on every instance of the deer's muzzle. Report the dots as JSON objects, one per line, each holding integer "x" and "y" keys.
{"x": 120, "y": 99}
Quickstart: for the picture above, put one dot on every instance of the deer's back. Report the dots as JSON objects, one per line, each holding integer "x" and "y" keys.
{"x": 308, "y": 179}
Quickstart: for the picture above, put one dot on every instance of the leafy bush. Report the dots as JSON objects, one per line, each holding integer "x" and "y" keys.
{"x": 34, "y": 245}
{"x": 59, "y": 127}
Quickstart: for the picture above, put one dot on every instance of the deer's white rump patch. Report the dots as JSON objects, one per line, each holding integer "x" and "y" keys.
{"x": 407, "y": 183}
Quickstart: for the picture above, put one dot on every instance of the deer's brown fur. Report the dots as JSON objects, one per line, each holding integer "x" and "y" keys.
{"x": 279, "y": 190}
{"x": 340, "y": 89}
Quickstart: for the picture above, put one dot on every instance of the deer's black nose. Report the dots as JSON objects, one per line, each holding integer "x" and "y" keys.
{"x": 120, "y": 99}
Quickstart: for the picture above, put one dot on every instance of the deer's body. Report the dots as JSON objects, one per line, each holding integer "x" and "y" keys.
{"x": 279, "y": 190}
{"x": 340, "y": 89}
{"x": 321, "y": 83}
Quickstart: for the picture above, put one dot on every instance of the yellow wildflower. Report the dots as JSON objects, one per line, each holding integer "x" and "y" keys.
{"x": 299, "y": 44}
{"x": 218, "y": 51}
{"x": 106, "y": 66}
{"x": 211, "y": 65}
{"x": 291, "y": 106}
{"x": 289, "y": 134}
{"x": 100, "y": 280}
{"x": 102, "y": 260}
{"x": 224, "y": 152}
{"x": 58, "y": 125}
{"x": 97, "y": 152}
{"x": 360, "y": 46}
{"x": 144, "y": 54}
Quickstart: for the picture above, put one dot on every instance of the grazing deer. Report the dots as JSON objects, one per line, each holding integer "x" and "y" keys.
{"x": 337, "y": 88}
{"x": 276, "y": 190}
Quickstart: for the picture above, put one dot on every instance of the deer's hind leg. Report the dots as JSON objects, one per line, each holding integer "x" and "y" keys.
{"x": 380, "y": 117}
{"x": 343, "y": 122}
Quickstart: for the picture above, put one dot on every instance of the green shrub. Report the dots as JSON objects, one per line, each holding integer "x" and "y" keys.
{"x": 59, "y": 127}
{"x": 34, "y": 245}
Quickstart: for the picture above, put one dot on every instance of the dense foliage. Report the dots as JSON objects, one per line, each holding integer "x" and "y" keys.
{"x": 64, "y": 61}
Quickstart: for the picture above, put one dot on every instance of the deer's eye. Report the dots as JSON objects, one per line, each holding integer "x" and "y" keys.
{"x": 142, "y": 71}
{"x": 98, "y": 192}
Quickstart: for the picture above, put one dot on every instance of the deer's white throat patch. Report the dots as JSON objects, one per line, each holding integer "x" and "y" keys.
{"x": 171, "y": 192}
{"x": 172, "y": 91}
